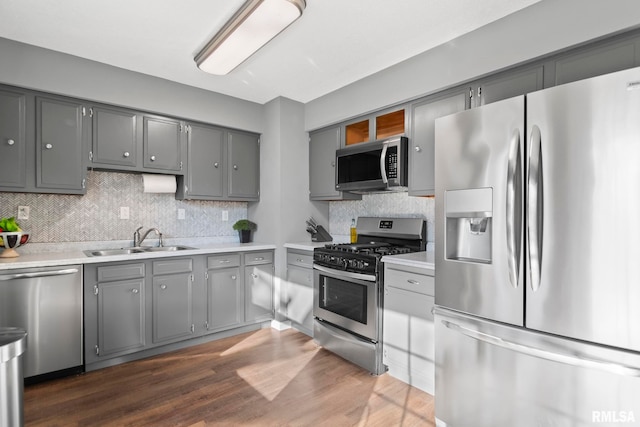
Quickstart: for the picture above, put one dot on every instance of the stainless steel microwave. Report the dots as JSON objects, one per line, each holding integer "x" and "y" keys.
{"x": 372, "y": 166}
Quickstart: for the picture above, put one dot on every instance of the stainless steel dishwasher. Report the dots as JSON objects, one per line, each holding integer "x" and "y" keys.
{"x": 47, "y": 303}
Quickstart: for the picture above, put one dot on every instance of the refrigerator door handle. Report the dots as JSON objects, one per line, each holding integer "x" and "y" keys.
{"x": 535, "y": 207}
{"x": 514, "y": 201}
{"x": 568, "y": 359}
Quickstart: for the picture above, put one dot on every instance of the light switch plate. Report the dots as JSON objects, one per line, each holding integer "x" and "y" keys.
{"x": 24, "y": 212}
{"x": 225, "y": 215}
{"x": 124, "y": 212}
{"x": 180, "y": 213}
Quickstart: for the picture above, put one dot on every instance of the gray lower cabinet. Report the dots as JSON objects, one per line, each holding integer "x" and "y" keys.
{"x": 422, "y": 139}
{"x": 322, "y": 166}
{"x": 243, "y": 154}
{"x": 13, "y": 140}
{"x": 59, "y": 145}
{"x": 408, "y": 326}
{"x": 258, "y": 291}
{"x": 225, "y": 293}
{"x": 115, "y": 310}
{"x": 172, "y": 286}
{"x": 297, "y": 296}
{"x": 134, "y": 309}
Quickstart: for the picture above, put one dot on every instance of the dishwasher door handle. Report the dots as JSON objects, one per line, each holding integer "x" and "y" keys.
{"x": 39, "y": 274}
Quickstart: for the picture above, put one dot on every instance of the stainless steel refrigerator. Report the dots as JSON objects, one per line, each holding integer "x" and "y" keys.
{"x": 538, "y": 258}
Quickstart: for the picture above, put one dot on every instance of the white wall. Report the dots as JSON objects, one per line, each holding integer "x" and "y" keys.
{"x": 543, "y": 28}
{"x": 36, "y": 68}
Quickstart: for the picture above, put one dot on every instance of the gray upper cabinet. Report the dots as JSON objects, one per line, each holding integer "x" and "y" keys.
{"x": 222, "y": 164}
{"x": 59, "y": 145}
{"x": 115, "y": 136}
{"x": 13, "y": 141}
{"x": 595, "y": 60}
{"x": 244, "y": 165}
{"x": 422, "y": 141}
{"x": 162, "y": 143}
{"x": 322, "y": 166}
{"x": 507, "y": 85}
{"x": 205, "y": 176}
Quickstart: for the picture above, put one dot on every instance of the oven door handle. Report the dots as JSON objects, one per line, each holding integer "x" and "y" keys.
{"x": 345, "y": 274}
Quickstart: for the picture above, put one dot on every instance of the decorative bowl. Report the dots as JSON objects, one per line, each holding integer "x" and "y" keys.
{"x": 10, "y": 240}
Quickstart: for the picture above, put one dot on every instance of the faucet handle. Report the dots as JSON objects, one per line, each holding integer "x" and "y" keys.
{"x": 160, "y": 242}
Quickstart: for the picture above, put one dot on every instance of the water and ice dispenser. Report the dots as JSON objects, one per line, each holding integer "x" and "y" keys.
{"x": 469, "y": 216}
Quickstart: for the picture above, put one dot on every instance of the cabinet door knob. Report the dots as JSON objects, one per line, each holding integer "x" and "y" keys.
{"x": 48, "y": 146}
{"x": 163, "y": 287}
{"x": 418, "y": 149}
{"x": 233, "y": 277}
{"x": 254, "y": 275}
{"x": 235, "y": 167}
{"x": 135, "y": 291}
{"x": 153, "y": 158}
{"x": 126, "y": 154}
{"x": 10, "y": 141}
{"x": 333, "y": 164}
{"x": 215, "y": 165}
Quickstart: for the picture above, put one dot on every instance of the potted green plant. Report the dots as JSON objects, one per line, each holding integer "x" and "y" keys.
{"x": 244, "y": 227}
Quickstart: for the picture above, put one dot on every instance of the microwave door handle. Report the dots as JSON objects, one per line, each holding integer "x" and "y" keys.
{"x": 383, "y": 158}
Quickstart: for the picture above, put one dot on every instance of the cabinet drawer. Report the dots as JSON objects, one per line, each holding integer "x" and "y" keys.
{"x": 258, "y": 258}
{"x": 300, "y": 259}
{"x": 224, "y": 260}
{"x": 170, "y": 266}
{"x": 120, "y": 272}
{"x": 410, "y": 281}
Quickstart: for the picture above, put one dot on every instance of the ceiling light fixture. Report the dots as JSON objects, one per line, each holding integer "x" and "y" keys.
{"x": 257, "y": 22}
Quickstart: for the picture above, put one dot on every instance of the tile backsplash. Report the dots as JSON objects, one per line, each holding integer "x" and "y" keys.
{"x": 96, "y": 215}
{"x": 392, "y": 204}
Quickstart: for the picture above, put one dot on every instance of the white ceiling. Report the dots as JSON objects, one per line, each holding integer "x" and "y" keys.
{"x": 334, "y": 43}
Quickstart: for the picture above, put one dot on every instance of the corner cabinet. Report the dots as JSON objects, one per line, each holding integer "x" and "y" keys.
{"x": 258, "y": 286}
{"x": 221, "y": 165}
{"x": 322, "y": 166}
{"x": 297, "y": 298}
{"x": 408, "y": 326}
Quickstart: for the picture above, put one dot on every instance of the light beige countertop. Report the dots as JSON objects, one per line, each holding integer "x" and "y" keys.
{"x": 52, "y": 259}
{"x": 416, "y": 259}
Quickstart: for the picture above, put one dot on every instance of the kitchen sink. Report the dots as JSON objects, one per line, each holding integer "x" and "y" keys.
{"x": 138, "y": 250}
{"x": 166, "y": 248}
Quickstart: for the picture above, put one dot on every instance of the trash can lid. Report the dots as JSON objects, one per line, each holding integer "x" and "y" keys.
{"x": 13, "y": 342}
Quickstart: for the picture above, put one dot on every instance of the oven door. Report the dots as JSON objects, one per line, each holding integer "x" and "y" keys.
{"x": 347, "y": 300}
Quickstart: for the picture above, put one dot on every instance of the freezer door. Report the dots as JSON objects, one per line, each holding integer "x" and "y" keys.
{"x": 584, "y": 209}
{"x": 489, "y": 375}
{"x": 479, "y": 221}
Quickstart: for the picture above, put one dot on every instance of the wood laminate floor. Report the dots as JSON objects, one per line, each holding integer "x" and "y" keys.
{"x": 262, "y": 378}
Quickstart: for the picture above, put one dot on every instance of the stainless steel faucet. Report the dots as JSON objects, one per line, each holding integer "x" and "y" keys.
{"x": 137, "y": 240}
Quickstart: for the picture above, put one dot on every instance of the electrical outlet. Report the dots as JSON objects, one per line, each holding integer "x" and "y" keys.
{"x": 225, "y": 215}
{"x": 124, "y": 212}
{"x": 180, "y": 213}
{"x": 23, "y": 212}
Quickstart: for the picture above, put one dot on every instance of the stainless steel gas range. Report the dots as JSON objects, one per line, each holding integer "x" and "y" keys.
{"x": 348, "y": 283}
